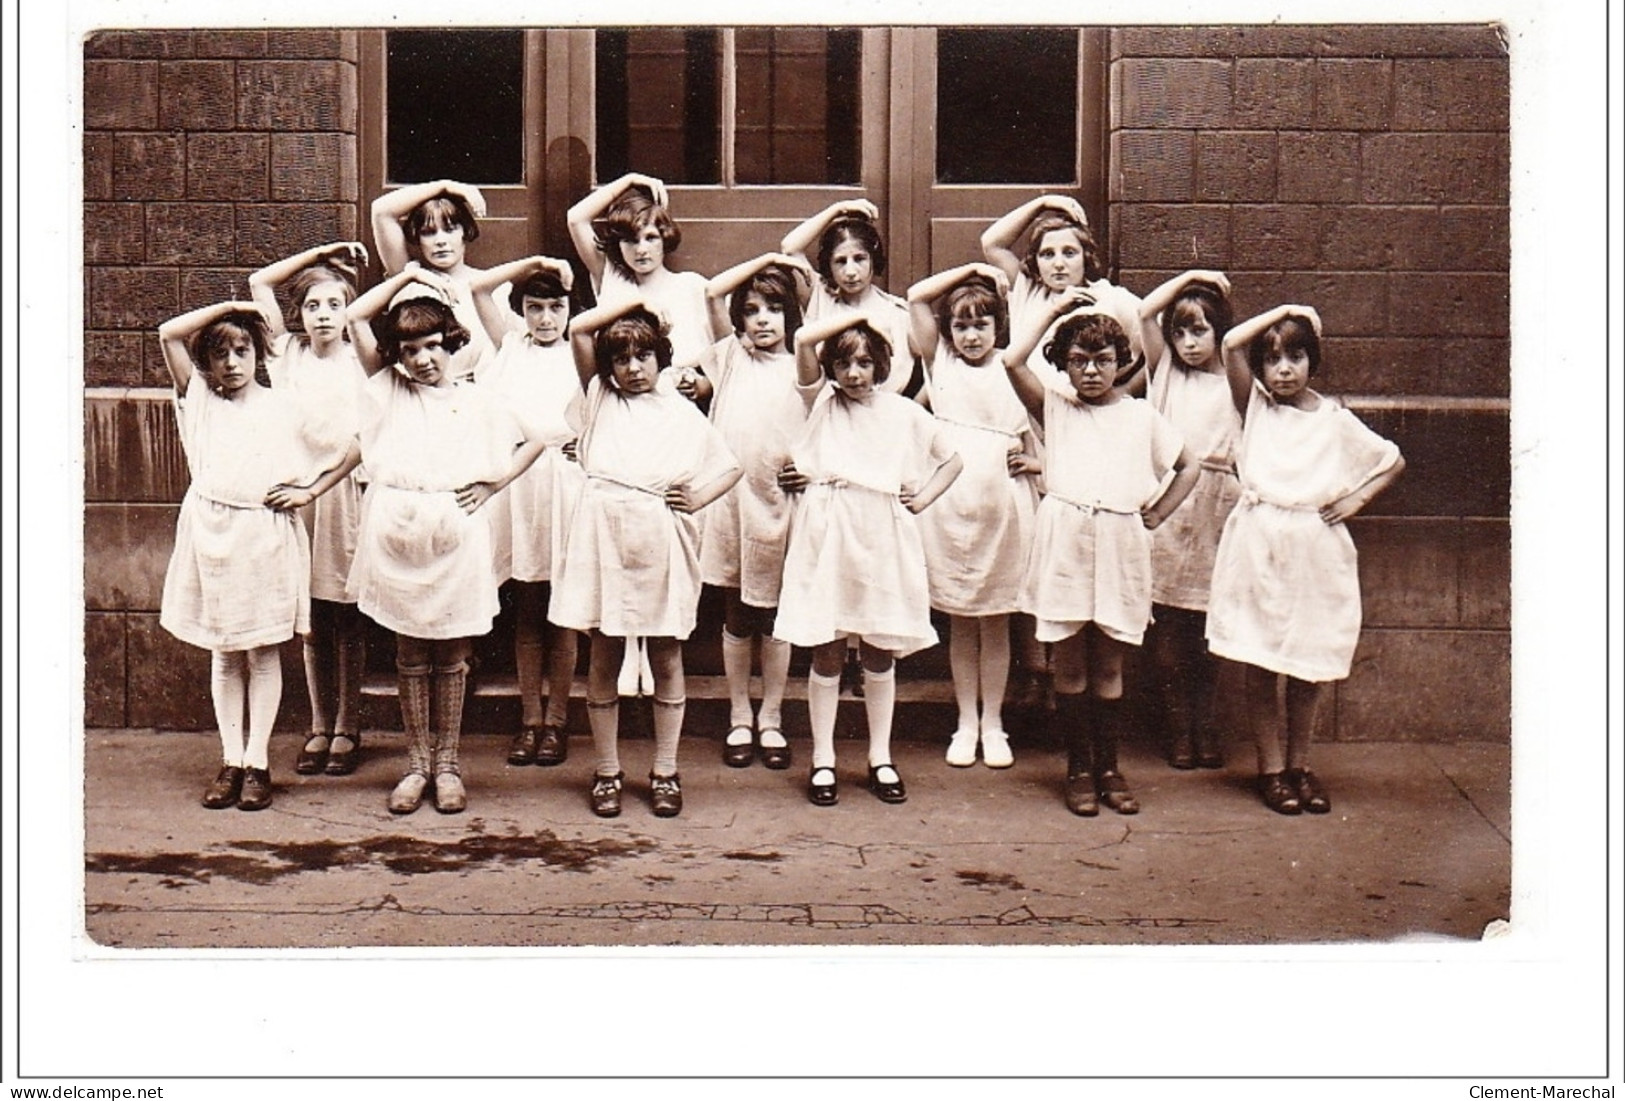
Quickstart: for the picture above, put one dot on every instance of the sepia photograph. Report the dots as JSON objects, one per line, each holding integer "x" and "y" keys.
{"x": 785, "y": 507}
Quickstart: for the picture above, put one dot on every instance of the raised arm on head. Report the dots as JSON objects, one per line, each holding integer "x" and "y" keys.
{"x": 174, "y": 334}
{"x": 805, "y": 235}
{"x": 263, "y": 284}
{"x": 374, "y": 302}
{"x": 391, "y": 208}
{"x": 584, "y": 329}
{"x": 1153, "y": 305}
{"x": 494, "y": 316}
{"x": 924, "y": 330}
{"x": 1234, "y": 348}
{"x": 591, "y": 206}
{"x": 999, "y": 239}
{"x": 814, "y": 333}
{"x": 1023, "y": 341}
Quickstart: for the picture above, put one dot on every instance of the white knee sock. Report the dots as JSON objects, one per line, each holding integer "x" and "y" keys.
{"x": 668, "y": 725}
{"x": 264, "y": 698}
{"x": 823, "y": 697}
{"x": 605, "y": 721}
{"x": 775, "y": 675}
{"x": 879, "y": 700}
{"x": 228, "y": 669}
{"x": 964, "y": 663}
{"x": 736, "y": 666}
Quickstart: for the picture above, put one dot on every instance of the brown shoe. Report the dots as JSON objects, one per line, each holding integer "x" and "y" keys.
{"x": 1279, "y": 795}
{"x": 606, "y": 795}
{"x": 1115, "y": 794}
{"x": 522, "y": 751}
{"x": 1081, "y": 798}
{"x": 313, "y": 757}
{"x": 666, "y": 795}
{"x": 553, "y": 746}
{"x": 256, "y": 793}
{"x": 225, "y": 789}
{"x": 1311, "y": 795}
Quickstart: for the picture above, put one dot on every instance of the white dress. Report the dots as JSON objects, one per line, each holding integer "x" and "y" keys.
{"x": 1091, "y": 556}
{"x": 1286, "y": 587}
{"x": 423, "y": 565}
{"x": 874, "y": 302}
{"x": 531, "y": 517}
{"x": 978, "y": 533}
{"x": 759, "y": 412}
{"x": 328, "y": 393}
{"x": 632, "y": 564}
{"x": 239, "y": 577}
{"x": 1200, "y": 405}
{"x": 1029, "y": 297}
{"x": 680, "y": 295}
{"x": 855, "y": 564}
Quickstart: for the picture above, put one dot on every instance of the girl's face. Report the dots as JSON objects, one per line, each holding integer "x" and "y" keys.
{"x": 1286, "y": 374}
{"x": 1195, "y": 341}
{"x": 232, "y": 364}
{"x": 441, "y": 244}
{"x": 635, "y": 372}
{"x": 1092, "y": 372}
{"x": 851, "y": 268}
{"x": 764, "y": 323}
{"x": 425, "y": 359}
{"x": 1059, "y": 259}
{"x": 645, "y": 252}
{"x": 323, "y": 311}
{"x": 855, "y": 376}
{"x": 546, "y": 319}
{"x": 973, "y": 337}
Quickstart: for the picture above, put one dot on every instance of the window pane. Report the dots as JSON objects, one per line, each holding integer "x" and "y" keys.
{"x": 1007, "y": 106}
{"x": 797, "y": 119}
{"x": 456, "y": 106}
{"x": 660, "y": 104}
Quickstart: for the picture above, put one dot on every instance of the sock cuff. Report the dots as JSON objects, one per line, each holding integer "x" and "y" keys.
{"x": 871, "y": 677}
{"x": 815, "y": 677}
{"x": 731, "y": 639}
{"x": 678, "y": 702}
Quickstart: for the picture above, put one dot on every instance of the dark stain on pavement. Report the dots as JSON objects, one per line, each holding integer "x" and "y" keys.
{"x": 991, "y": 879}
{"x": 262, "y": 862}
{"x": 741, "y": 854}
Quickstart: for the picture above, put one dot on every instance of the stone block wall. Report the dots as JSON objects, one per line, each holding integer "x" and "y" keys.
{"x": 1364, "y": 171}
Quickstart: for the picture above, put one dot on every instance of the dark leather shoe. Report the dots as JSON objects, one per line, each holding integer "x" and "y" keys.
{"x": 342, "y": 761}
{"x": 311, "y": 762}
{"x": 1080, "y": 794}
{"x": 1278, "y": 795}
{"x": 666, "y": 795}
{"x": 553, "y": 746}
{"x": 773, "y": 756}
{"x": 256, "y": 793}
{"x": 522, "y": 750}
{"x": 821, "y": 795}
{"x": 887, "y": 791}
{"x": 606, "y": 795}
{"x": 1311, "y": 796}
{"x": 740, "y": 754}
{"x": 225, "y": 789}
{"x": 1115, "y": 794}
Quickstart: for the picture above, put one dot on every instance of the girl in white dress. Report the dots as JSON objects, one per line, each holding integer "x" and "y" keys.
{"x": 626, "y": 259}
{"x": 977, "y": 536}
{"x": 867, "y": 462}
{"x": 535, "y": 374}
{"x": 750, "y": 380}
{"x": 434, "y": 223}
{"x": 436, "y": 449}
{"x": 313, "y": 359}
{"x": 1181, "y": 325}
{"x": 1088, "y": 579}
{"x": 238, "y": 582}
{"x": 631, "y": 565}
{"x": 1286, "y": 586}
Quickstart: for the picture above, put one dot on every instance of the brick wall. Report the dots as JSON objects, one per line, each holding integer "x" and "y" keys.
{"x": 1364, "y": 171}
{"x": 207, "y": 154}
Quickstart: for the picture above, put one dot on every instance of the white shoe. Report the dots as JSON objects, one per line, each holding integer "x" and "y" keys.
{"x": 962, "y": 749}
{"x": 996, "y": 749}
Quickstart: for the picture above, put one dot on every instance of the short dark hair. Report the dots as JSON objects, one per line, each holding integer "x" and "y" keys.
{"x": 975, "y": 296}
{"x": 862, "y": 337}
{"x": 626, "y": 218}
{"x": 1051, "y": 221}
{"x": 1092, "y": 332}
{"x": 1288, "y": 335}
{"x": 315, "y": 276}
{"x": 1197, "y": 298}
{"x": 635, "y": 331}
{"x": 218, "y": 333}
{"x": 413, "y": 319}
{"x": 541, "y": 284}
{"x": 443, "y": 209}
{"x": 850, "y": 227}
{"x": 776, "y": 284}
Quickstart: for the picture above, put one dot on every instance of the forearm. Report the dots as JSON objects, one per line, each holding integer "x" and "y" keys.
{"x": 1187, "y": 472}
{"x": 714, "y": 489}
{"x": 802, "y": 238}
{"x": 936, "y": 485}
{"x": 1367, "y": 491}
{"x": 332, "y": 477}
{"x": 523, "y": 457}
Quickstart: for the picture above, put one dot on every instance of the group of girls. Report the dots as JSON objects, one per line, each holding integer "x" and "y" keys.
{"x": 751, "y": 432}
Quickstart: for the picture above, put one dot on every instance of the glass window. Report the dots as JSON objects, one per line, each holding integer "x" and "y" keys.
{"x": 456, "y": 106}
{"x": 660, "y": 104}
{"x": 797, "y": 107}
{"x": 1007, "y": 106}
